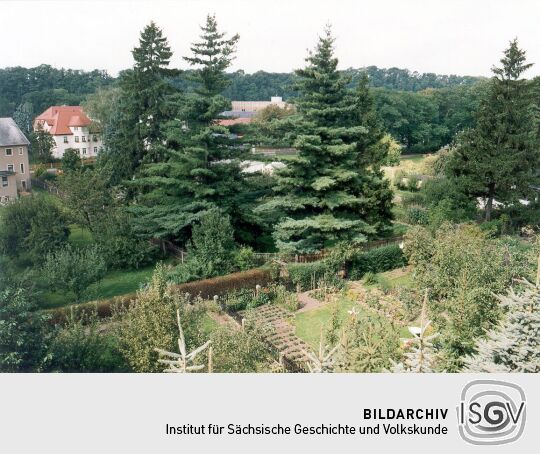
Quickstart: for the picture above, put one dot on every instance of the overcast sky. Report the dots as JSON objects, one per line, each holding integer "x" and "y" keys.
{"x": 446, "y": 37}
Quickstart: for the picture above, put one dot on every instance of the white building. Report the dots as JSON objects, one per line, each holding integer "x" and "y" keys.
{"x": 70, "y": 128}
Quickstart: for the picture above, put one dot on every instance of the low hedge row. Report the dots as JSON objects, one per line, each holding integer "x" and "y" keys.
{"x": 205, "y": 288}
{"x": 377, "y": 260}
{"x": 306, "y": 275}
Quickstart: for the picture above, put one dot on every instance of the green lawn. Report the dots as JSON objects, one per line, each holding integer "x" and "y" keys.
{"x": 79, "y": 236}
{"x": 115, "y": 283}
{"x": 310, "y": 323}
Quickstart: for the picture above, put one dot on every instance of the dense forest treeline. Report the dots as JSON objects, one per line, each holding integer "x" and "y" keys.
{"x": 422, "y": 111}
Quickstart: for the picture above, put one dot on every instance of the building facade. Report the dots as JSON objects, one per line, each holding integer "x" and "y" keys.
{"x": 244, "y": 111}
{"x": 14, "y": 166}
{"x": 70, "y": 128}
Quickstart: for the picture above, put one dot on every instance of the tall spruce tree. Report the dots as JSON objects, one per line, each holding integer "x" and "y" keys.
{"x": 201, "y": 171}
{"x": 325, "y": 192}
{"x": 500, "y": 157}
{"x": 142, "y": 107}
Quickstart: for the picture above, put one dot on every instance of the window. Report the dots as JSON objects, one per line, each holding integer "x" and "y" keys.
{"x": 95, "y": 150}
{"x": 84, "y": 138}
{"x": 5, "y": 182}
{"x": 77, "y": 139}
{"x": 84, "y": 151}
{"x": 76, "y": 128}
{"x": 9, "y": 152}
{"x": 10, "y": 167}
{"x": 21, "y": 150}
{"x": 23, "y": 182}
{"x": 22, "y": 167}
{"x": 65, "y": 139}
{"x": 95, "y": 138}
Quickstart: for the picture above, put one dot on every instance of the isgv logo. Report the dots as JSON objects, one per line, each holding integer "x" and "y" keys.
{"x": 491, "y": 412}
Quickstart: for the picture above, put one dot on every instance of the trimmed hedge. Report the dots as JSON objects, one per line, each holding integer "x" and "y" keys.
{"x": 205, "y": 288}
{"x": 377, "y": 260}
{"x": 306, "y": 275}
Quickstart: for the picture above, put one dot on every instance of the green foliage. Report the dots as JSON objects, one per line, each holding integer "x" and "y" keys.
{"x": 376, "y": 260}
{"x": 497, "y": 159}
{"x": 32, "y": 225}
{"x": 368, "y": 344}
{"x": 41, "y": 145}
{"x": 244, "y": 258}
{"x": 71, "y": 160}
{"x": 211, "y": 251}
{"x": 333, "y": 190}
{"x": 150, "y": 323}
{"x": 80, "y": 346}
{"x": 74, "y": 270}
{"x": 200, "y": 166}
{"x": 43, "y": 86}
{"x": 23, "y": 332}
{"x": 463, "y": 269}
{"x": 306, "y": 276}
{"x": 240, "y": 351}
{"x": 138, "y": 112}
{"x": 95, "y": 206}
{"x": 416, "y": 215}
{"x": 514, "y": 345}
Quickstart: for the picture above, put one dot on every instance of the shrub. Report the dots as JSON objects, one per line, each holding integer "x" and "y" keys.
{"x": 417, "y": 215}
{"x": 370, "y": 278}
{"x": 32, "y": 224}
{"x": 23, "y": 332}
{"x": 305, "y": 276}
{"x": 376, "y": 260}
{"x": 74, "y": 270}
{"x": 79, "y": 346}
{"x": 211, "y": 251}
{"x": 150, "y": 322}
{"x": 244, "y": 258}
{"x": 240, "y": 351}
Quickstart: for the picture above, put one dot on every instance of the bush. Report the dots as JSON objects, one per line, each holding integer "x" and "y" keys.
{"x": 244, "y": 258}
{"x": 33, "y": 225}
{"x": 23, "y": 332}
{"x": 211, "y": 250}
{"x": 79, "y": 346}
{"x": 416, "y": 215}
{"x": 376, "y": 260}
{"x": 150, "y": 322}
{"x": 74, "y": 270}
{"x": 305, "y": 276}
{"x": 240, "y": 351}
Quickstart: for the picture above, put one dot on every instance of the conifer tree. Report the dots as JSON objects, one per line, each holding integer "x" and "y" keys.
{"x": 499, "y": 158}
{"x": 135, "y": 128}
{"x": 325, "y": 191}
{"x": 422, "y": 357}
{"x": 201, "y": 171}
{"x": 515, "y": 345}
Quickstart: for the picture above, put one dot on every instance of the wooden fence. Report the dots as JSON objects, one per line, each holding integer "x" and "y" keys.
{"x": 46, "y": 186}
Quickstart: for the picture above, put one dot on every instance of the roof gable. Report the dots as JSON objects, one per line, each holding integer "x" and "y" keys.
{"x": 61, "y": 118}
{"x": 10, "y": 133}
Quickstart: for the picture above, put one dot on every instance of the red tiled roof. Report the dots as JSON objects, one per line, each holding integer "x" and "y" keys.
{"x": 233, "y": 121}
{"x": 60, "y": 118}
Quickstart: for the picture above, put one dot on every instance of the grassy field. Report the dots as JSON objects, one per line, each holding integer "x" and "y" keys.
{"x": 115, "y": 283}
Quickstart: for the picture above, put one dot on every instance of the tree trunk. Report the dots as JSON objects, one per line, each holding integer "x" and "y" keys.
{"x": 489, "y": 204}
